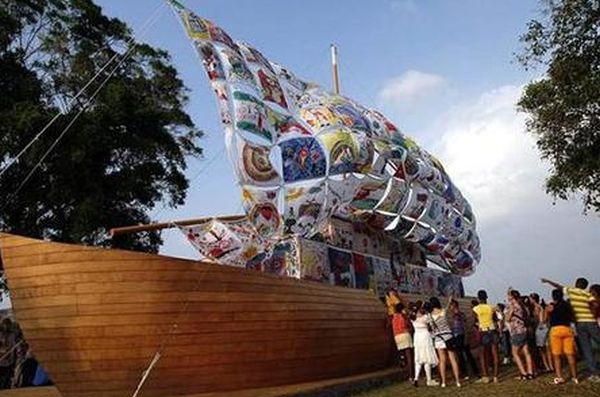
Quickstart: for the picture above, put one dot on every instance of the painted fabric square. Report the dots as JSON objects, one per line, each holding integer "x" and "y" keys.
{"x": 417, "y": 203}
{"x": 342, "y": 149}
{"x": 215, "y": 240}
{"x": 271, "y": 89}
{"x": 319, "y": 117}
{"x": 210, "y": 59}
{"x": 369, "y": 194}
{"x": 256, "y": 165}
{"x": 340, "y": 263}
{"x": 250, "y": 115}
{"x": 235, "y": 68}
{"x": 314, "y": 261}
{"x": 302, "y": 158}
{"x": 303, "y": 208}
{"x": 395, "y": 197}
{"x": 362, "y": 267}
{"x": 285, "y": 125}
{"x": 261, "y": 209}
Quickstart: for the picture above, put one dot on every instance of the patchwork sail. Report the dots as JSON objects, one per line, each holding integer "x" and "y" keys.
{"x": 302, "y": 154}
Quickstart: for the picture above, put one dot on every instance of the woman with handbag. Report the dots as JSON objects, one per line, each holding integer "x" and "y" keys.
{"x": 425, "y": 356}
{"x": 517, "y": 317}
{"x": 443, "y": 340}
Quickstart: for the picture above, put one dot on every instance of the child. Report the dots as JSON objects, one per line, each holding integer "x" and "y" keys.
{"x": 424, "y": 352}
{"x": 404, "y": 343}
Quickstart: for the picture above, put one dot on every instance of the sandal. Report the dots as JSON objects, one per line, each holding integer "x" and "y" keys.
{"x": 559, "y": 381}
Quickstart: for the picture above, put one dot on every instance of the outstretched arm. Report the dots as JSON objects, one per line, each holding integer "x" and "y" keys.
{"x": 552, "y": 283}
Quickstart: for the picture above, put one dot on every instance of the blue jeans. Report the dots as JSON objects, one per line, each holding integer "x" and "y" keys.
{"x": 586, "y": 333}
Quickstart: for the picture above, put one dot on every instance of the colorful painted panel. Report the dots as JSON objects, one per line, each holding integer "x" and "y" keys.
{"x": 342, "y": 271}
{"x": 302, "y": 158}
{"x": 314, "y": 261}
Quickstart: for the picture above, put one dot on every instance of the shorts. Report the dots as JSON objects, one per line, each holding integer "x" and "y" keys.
{"x": 489, "y": 338}
{"x": 562, "y": 340}
{"x": 403, "y": 341}
{"x": 518, "y": 340}
{"x": 541, "y": 336}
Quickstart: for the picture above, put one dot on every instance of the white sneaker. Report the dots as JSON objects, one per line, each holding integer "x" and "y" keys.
{"x": 458, "y": 384}
{"x": 433, "y": 382}
{"x": 594, "y": 378}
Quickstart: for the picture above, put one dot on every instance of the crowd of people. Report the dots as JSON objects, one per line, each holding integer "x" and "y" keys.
{"x": 525, "y": 330}
{"x": 18, "y": 366}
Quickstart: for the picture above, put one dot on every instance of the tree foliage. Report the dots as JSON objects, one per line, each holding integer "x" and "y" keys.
{"x": 124, "y": 154}
{"x": 564, "y": 105}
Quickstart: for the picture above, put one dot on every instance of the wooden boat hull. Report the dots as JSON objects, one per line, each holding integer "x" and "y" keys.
{"x": 95, "y": 319}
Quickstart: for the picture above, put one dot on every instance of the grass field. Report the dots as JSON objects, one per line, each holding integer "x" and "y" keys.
{"x": 507, "y": 387}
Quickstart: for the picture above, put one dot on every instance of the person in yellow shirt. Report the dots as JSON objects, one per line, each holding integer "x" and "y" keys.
{"x": 488, "y": 335}
{"x": 584, "y": 304}
{"x": 391, "y": 300}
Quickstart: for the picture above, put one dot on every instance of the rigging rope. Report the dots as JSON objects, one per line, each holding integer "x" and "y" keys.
{"x": 85, "y": 106}
{"x": 130, "y": 43}
{"x": 172, "y": 329}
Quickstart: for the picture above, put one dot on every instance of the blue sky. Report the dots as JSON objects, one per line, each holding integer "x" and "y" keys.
{"x": 443, "y": 70}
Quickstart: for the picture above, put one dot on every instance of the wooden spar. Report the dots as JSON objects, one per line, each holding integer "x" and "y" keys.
{"x": 334, "y": 67}
{"x": 167, "y": 225}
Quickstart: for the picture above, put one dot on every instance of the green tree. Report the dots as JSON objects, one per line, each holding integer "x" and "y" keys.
{"x": 564, "y": 105}
{"x": 124, "y": 154}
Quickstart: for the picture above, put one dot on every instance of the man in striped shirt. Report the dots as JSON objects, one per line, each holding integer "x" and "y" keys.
{"x": 584, "y": 305}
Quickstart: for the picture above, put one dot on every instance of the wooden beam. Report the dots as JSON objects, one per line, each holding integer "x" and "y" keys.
{"x": 167, "y": 225}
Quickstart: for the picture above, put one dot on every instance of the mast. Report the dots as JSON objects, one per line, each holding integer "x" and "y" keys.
{"x": 334, "y": 68}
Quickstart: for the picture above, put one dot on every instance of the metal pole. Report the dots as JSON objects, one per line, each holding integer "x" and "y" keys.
{"x": 334, "y": 67}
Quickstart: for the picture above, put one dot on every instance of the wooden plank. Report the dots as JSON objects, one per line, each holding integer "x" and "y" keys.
{"x": 96, "y": 317}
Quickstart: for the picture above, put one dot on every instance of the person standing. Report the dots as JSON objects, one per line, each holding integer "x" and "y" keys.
{"x": 584, "y": 305}
{"x": 466, "y": 361}
{"x": 404, "y": 343}
{"x": 516, "y": 317}
{"x": 425, "y": 356}
{"x": 562, "y": 337}
{"x": 391, "y": 300}
{"x": 503, "y": 333}
{"x": 444, "y": 341}
{"x": 541, "y": 331}
{"x": 488, "y": 337}
{"x": 595, "y": 291}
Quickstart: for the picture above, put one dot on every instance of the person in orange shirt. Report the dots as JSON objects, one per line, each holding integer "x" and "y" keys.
{"x": 402, "y": 335}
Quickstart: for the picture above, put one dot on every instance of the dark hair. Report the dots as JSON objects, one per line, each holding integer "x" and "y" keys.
{"x": 581, "y": 283}
{"x": 515, "y": 294}
{"x": 454, "y": 302}
{"x": 595, "y": 289}
{"x": 482, "y": 295}
{"x": 557, "y": 294}
{"x": 435, "y": 303}
{"x": 427, "y": 307}
{"x": 474, "y": 302}
{"x": 501, "y": 306}
{"x": 535, "y": 297}
{"x": 399, "y": 307}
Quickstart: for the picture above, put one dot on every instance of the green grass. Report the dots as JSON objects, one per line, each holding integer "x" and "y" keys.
{"x": 508, "y": 387}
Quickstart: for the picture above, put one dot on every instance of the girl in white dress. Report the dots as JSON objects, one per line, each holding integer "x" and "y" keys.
{"x": 425, "y": 356}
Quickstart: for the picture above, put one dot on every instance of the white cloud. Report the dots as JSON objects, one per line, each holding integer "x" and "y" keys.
{"x": 494, "y": 162}
{"x": 411, "y": 87}
{"x": 488, "y": 153}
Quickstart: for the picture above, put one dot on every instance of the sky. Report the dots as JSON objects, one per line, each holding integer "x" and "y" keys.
{"x": 444, "y": 71}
